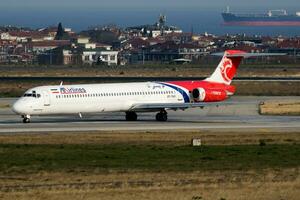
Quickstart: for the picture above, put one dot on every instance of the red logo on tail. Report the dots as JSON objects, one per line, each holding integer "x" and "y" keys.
{"x": 226, "y": 70}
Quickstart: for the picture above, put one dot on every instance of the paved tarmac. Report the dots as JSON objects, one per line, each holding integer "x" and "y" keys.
{"x": 242, "y": 115}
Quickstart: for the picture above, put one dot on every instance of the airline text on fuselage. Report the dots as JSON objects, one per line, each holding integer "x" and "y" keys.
{"x": 72, "y": 90}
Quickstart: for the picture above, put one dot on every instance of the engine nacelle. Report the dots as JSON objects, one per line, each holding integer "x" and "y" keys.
{"x": 208, "y": 95}
{"x": 199, "y": 94}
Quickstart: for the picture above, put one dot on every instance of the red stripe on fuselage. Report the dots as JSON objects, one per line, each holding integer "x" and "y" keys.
{"x": 191, "y": 85}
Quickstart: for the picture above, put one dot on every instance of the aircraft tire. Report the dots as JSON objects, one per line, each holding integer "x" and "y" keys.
{"x": 162, "y": 116}
{"x": 131, "y": 116}
{"x": 26, "y": 120}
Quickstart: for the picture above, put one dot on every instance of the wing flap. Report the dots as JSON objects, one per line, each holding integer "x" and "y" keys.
{"x": 152, "y": 106}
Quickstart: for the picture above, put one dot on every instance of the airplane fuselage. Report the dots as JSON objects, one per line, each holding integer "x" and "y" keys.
{"x": 132, "y": 97}
{"x": 95, "y": 98}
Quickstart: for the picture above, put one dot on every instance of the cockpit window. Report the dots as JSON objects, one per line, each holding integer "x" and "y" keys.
{"x": 33, "y": 94}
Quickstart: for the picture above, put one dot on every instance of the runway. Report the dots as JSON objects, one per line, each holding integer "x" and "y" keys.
{"x": 242, "y": 115}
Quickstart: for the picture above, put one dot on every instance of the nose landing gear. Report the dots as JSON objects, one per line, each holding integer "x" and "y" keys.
{"x": 162, "y": 116}
{"x": 26, "y": 119}
{"x": 131, "y": 116}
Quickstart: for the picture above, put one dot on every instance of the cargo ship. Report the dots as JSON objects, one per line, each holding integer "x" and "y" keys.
{"x": 271, "y": 18}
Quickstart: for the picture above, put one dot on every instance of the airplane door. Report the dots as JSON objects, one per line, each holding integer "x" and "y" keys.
{"x": 46, "y": 98}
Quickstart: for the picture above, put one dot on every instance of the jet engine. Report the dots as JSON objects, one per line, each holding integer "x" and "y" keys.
{"x": 199, "y": 94}
{"x": 208, "y": 95}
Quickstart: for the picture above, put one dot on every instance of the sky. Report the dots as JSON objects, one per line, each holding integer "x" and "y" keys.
{"x": 142, "y": 4}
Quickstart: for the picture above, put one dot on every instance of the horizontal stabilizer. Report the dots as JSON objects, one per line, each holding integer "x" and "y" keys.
{"x": 247, "y": 55}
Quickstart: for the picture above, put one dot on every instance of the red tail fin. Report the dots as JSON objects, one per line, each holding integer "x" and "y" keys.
{"x": 227, "y": 68}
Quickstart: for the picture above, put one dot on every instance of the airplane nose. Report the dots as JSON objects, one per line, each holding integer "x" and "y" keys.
{"x": 17, "y": 108}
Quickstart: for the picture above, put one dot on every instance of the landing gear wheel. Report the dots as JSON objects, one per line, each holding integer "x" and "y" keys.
{"x": 131, "y": 116}
{"x": 26, "y": 120}
{"x": 162, "y": 116}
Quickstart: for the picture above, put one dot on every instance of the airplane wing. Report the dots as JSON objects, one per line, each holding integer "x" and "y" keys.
{"x": 175, "y": 106}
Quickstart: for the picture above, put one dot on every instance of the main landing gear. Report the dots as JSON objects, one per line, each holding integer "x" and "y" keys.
{"x": 131, "y": 116}
{"x": 26, "y": 119}
{"x": 162, "y": 116}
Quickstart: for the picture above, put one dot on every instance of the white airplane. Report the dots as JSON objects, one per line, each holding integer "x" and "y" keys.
{"x": 133, "y": 97}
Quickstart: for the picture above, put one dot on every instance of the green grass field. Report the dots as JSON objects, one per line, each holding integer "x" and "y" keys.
{"x": 30, "y": 158}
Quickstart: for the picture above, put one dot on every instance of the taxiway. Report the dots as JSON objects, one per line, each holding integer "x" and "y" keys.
{"x": 241, "y": 115}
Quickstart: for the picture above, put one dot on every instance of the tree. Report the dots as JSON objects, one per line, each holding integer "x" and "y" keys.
{"x": 60, "y": 32}
{"x": 101, "y": 36}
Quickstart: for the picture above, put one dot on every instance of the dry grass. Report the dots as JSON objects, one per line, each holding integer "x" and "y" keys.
{"x": 267, "y": 88}
{"x": 4, "y": 106}
{"x": 149, "y": 70}
{"x": 280, "y": 108}
{"x": 215, "y": 185}
{"x": 260, "y": 184}
{"x": 153, "y": 137}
